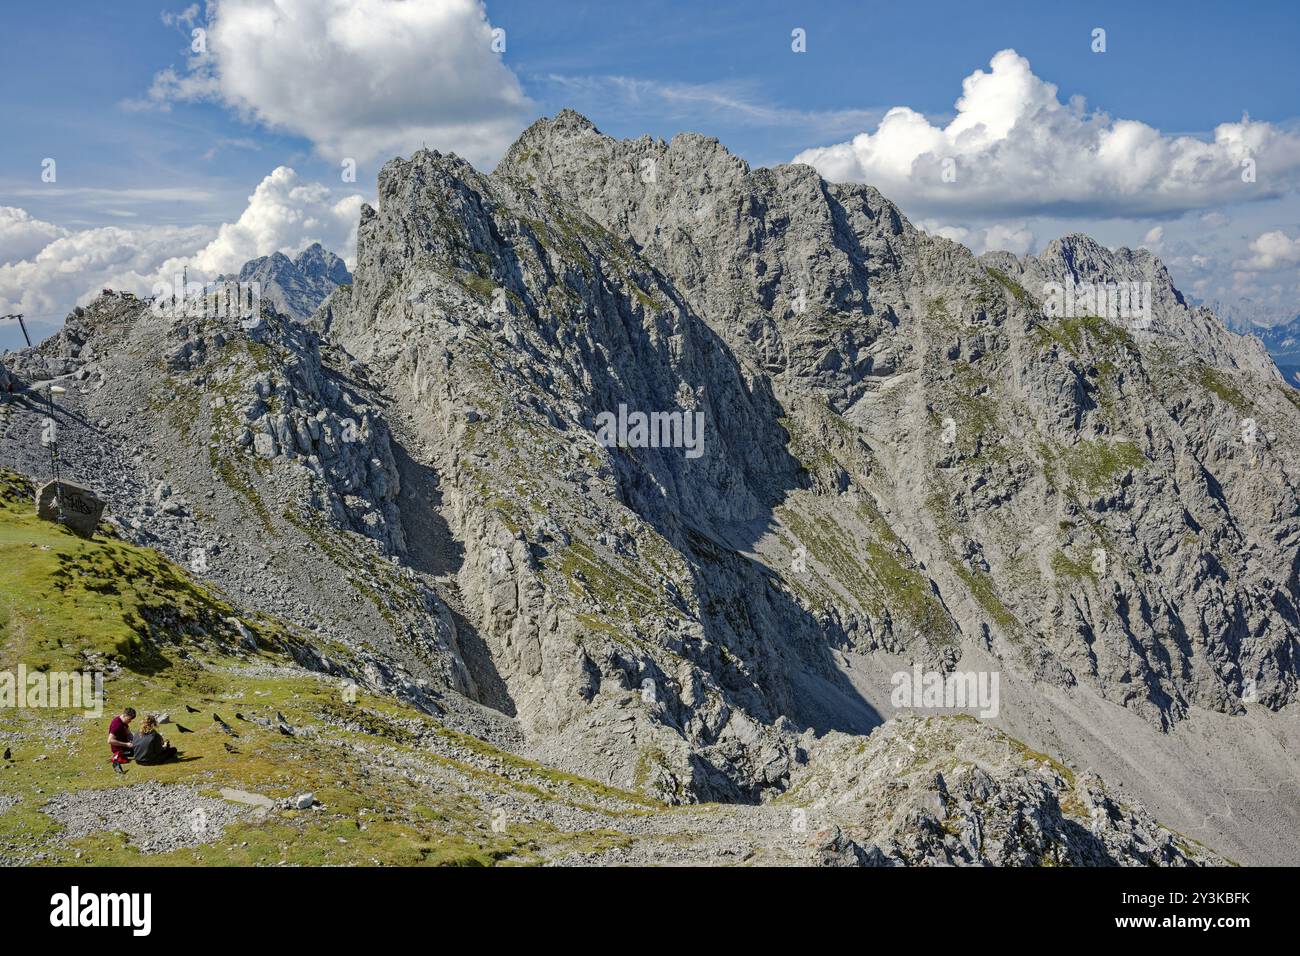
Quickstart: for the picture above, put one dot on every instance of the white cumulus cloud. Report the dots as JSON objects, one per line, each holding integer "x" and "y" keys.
{"x": 1013, "y": 148}
{"x": 70, "y": 267}
{"x": 1014, "y": 237}
{"x": 285, "y": 214}
{"x": 362, "y": 79}
{"x": 22, "y": 236}
{"x": 1271, "y": 250}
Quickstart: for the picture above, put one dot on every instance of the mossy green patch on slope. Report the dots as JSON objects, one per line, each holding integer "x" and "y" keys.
{"x": 1095, "y": 465}
{"x": 877, "y": 572}
{"x": 1011, "y": 285}
{"x": 1066, "y": 567}
{"x": 1220, "y": 384}
{"x": 1080, "y": 335}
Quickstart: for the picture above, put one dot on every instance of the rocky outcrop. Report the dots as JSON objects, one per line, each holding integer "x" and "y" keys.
{"x": 830, "y": 348}
{"x": 510, "y": 327}
{"x": 945, "y": 792}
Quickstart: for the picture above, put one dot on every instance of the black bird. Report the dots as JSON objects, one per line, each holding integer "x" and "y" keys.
{"x": 192, "y": 710}
{"x": 286, "y": 730}
{"x": 183, "y": 729}
{"x": 230, "y": 749}
{"x": 224, "y": 726}
{"x": 9, "y": 754}
{"x": 280, "y": 717}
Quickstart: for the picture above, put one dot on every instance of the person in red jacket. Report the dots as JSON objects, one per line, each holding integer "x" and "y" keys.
{"x": 119, "y": 738}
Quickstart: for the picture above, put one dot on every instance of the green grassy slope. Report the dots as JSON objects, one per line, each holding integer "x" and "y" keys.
{"x": 67, "y": 604}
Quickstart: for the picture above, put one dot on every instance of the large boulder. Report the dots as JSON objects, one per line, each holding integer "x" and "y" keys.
{"x": 72, "y": 505}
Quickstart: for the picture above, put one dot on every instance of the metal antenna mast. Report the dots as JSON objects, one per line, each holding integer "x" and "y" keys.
{"x": 54, "y": 452}
{"x": 21, "y": 325}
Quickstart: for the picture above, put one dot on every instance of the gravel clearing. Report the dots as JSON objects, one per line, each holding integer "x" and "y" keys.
{"x": 156, "y": 818}
{"x": 64, "y": 734}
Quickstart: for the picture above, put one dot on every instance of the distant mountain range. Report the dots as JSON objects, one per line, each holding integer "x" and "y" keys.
{"x": 296, "y": 286}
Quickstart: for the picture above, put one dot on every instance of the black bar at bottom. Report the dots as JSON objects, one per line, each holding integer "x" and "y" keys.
{"x": 330, "y": 906}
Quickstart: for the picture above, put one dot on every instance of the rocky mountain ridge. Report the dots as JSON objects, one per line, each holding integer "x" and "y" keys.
{"x": 907, "y": 460}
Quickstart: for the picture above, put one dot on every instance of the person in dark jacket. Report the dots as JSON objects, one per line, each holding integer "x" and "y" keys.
{"x": 151, "y": 747}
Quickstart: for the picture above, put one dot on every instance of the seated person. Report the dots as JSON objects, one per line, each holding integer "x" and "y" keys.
{"x": 151, "y": 747}
{"x": 119, "y": 735}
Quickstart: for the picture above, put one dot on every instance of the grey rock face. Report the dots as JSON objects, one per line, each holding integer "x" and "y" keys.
{"x": 1074, "y": 523}
{"x": 1070, "y": 524}
{"x": 575, "y": 562}
{"x": 1168, "y": 444}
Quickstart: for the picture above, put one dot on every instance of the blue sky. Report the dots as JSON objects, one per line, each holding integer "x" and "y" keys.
{"x": 156, "y": 175}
